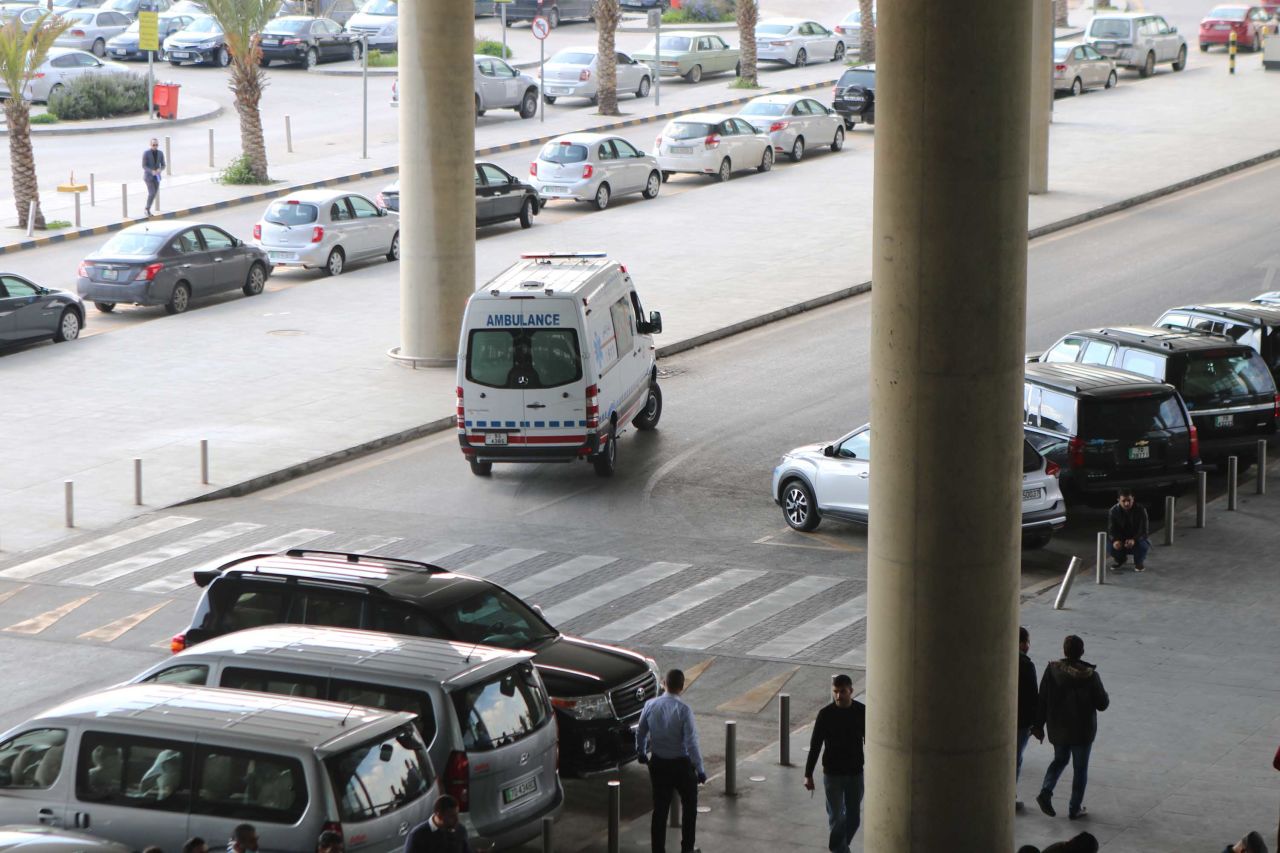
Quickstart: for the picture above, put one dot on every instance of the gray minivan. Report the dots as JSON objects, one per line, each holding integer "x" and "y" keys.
{"x": 156, "y": 764}
{"x": 483, "y": 711}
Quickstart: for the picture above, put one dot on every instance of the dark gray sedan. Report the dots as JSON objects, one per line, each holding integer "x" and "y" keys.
{"x": 169, "y": 264}
{"x": 29, "y": 312}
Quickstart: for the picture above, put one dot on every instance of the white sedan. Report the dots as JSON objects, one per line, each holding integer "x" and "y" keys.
{"x": 794, "y": 123}
{"x": 712, "y": 144}
{"x": 797, "y": 41}
{"x": 327, "y": 229}
{"x": 593, "y": 167}
{"x": 60, "y": 67}
{"x": 91, "y": 29}
{"x": 574, "y": 72}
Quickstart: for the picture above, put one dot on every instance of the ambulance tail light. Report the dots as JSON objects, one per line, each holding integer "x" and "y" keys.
{"x": 462, "y": 412}
{"x": 593, "y": 406}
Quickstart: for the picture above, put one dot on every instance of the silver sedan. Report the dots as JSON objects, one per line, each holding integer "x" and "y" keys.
{"x": 60, "y": 67}
{"x": 796, "y": 41}
{"x": 593, "y": 167}
{"x": 1077, "y": 67}
{"x": 29, "y": 312}
{"x": 574, "y": 72}
{"x": 91, "y": 29}
{"x": 795, "y": 123}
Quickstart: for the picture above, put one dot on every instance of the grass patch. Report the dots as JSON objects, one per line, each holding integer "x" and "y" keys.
{"x": 378, "y": 59}
{"x": 743, "y": 83}
{"x": 44, "y": 118}
{"x": 238, "y": 172}
{"x": 696, "y": 16}
{"x": 51, "y": 224}
{"x": 489, "y": 47}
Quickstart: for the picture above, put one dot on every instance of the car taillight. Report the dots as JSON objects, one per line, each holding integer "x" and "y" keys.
{"x": 178, "y": 642}
{"x": 83, "y": 270}
{"x": 291, "y": 41}
{"x": 778, "y": 125}
{"x": 593, "y": 406}
{"x": 79, "y": 33}
{"x": 1053, "y": 469}
{"x": 657, "y": 143}
{"x": 835, "y": 91}
{"x": 257, "y": 231}
{"x": 1075, "y": 451}
{"x": 37, "y": 75}
{"x": 840, "y": 30}
{"x": 1059, "y": 68}
{"x": 588, "y": 171}
{"x": 1277, "y": 408}
{"x": 584, "y": 74}
{"x": 780, "y": 43}
{"x": 331, "y": 826}
{"x": 712, "y": 141}
{"x": 1195, "y": 443}
{"x": 150, "y": 271}
{"x": 533, "y": 168}
{"x": 317, "y": 234}
{"x": 457, "y": 782}
{"x": 462, "y": 413}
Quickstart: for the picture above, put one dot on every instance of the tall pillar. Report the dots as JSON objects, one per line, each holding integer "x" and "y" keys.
{"x": 1041, "y": 94}
{"x": 437, "y": 186}
{"x": 948, "y": 317}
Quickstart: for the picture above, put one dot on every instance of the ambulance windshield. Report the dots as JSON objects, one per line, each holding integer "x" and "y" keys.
{"x": 523, "y": 358}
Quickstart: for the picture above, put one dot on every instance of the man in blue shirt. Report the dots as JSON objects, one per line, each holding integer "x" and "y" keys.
{"x": 667, "y": 741}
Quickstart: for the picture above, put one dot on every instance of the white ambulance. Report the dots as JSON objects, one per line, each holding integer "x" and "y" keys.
{"x": 556, "y": 360}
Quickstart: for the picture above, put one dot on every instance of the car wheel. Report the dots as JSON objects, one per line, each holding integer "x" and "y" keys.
{"x": 529, "y": 104}
{"x": 837, "y": 142}
{"x": 849, "y": 125}
{"x": 333, "y": 266}
{"x": 1181, "y": 62}
{"x": 1204, "y": 48}
{"x": 256, "y": 281}
{"x": 105, "y": 307}
{"x": 481, "y": 469}
{"x": 652, "y": 411}
{"x": 725, "y": 172}
{"x": 54, "y": 92}
{"x": 180, "y": 299}
{"x": 695, "y": 74}
{"x": 1076, "y": 87}
{"x": 802, "y": 58}
{"x": 553, "y": 17}
{"x": 606, "y": 461}
{"x": 737, "y": 69}
{"x": 1038, "y": 539}
{"x": 355, "y": 51}
{"x": 527, "y": 213}
{"x": 310, "y": 58}
{"x": 1111, "y": 80}
{"x": 479, "y": 112}
{"x": 839, "y": 55}
{"x": 643, "y": 91}
{"x": 100, "y": 47}
{"x": 68, "y": 326}
{"x": 652, "y": 185}
{"x": 393, "y": 254}
{"x": 798, "y": 506}
{"x": 797, "y": 150}
{"x": 1149, "y": 66}
{"x": 549, "y": 99}
{"x": 666, "y": 176}
{"x": 601, "y": 200}
{"x": 766, "y": 160}
{"x": 223, "y": 57}
{"x": 264, "y": 63}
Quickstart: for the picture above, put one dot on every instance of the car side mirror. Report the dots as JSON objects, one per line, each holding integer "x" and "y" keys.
{"x": 382, "y": 211}
{"x": 655, "y": 323}
{"x": 1173, "y": 29}
{"x": 513, "y": 180}
{"x": 829, "y": 450}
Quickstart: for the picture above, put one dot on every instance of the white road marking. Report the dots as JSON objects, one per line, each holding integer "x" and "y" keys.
{"x": 620, "y": 588}
{"x": 120, "y": 568}
{"x": 495, "y": 563}
{"x": 183, "y": 578}
{"x": 673, "y": 605}
{"x": 93, "y": 548}
{"x": 556, "y": 575}
{"x": 737, "y": 621}
{"x": 814, "y": 631}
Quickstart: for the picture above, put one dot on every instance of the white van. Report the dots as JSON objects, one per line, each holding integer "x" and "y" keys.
{"x": 156, "y": 764}
{"x": 556, "y": 360}
{"x": 483, "y": 712}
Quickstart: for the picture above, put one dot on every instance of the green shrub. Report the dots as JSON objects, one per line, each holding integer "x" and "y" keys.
{"x": 238, "y": 172}
{"x": 101, "y": 96}
{"x": 701, "y": 12}
{"x": 489, "y": 47}
{"x": 378, "y": 59}
{"x": 50, "y": 224}
{"x": 44, "y": 118}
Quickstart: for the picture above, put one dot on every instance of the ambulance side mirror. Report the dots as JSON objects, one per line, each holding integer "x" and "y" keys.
{"x": 654, "y": 326}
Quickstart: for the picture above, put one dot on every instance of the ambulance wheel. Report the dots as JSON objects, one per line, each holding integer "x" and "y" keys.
{"x": 606, "y": 460}
{"x": 481, "y": 469}
{"x": 652, "y": 411}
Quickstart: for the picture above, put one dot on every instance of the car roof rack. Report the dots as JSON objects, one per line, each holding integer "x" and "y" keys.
{"x": 358, "y": 559}
{"x": 333, "y": 565}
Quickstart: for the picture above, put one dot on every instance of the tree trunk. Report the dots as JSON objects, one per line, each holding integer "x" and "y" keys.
{"x": 246, "y": 83}
{"x": 867, "y": 47}
{"x": 748, "y": 16}
{"x": 607, "y": 14}
{"x": 22, "y": 161}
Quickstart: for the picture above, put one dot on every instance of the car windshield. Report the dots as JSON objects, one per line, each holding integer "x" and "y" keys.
{"x": 379, "y": 7}
{"x": 773, "y": 29}
{"x": 138, "y": 243}
{"x": 866, "y": 79}
{"x": 1109, "y": 28}
{"x": 494, "y": 617}
{"x": 207, "y": 24}
{"x": 287, "y": 27}
{"x": 675, "y": 43}
{"x": 523, "y": 358}
{"x": 1061, "y": 52}
{"x": 763, "y": 108}
{"x": 1214, "y": 377}
{"x": 1227, "y": 13}
{"x": 1126, "y": 416}
{"x": 563, "y": 152}
{"x": 688, "y": 130}
{"x": 291, "y": 213}
{"x": 572, "y": 57}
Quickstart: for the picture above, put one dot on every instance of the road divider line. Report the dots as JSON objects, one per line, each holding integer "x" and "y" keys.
{"x": 694, "y": 672}
{"x": 93, "y": 548}
{"x": 10, "y": 593}
{"x": 39, "y": 623}
{"x": 114, "y": 630}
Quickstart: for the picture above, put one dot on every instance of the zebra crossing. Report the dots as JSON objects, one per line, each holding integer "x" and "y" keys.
{"x": 741, "y": 612}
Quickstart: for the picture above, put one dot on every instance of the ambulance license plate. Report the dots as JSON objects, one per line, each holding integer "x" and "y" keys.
{"x": 519, "y": 792}
{"x": 1224, "y": 420}
{"x": 1139, "y": 452}
{"x": 492, "y": 438}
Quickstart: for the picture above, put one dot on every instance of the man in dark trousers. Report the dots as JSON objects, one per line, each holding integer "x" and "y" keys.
{"x": 1028, "y": 703}
{"x": 440, "y": 833}
{"x": 1127, "y": 532}
{"x": 838, "y": 734}
{"x": 152, "y": 169}
{"x": 1071, "y": 695}
{"x": 667, "y": 741}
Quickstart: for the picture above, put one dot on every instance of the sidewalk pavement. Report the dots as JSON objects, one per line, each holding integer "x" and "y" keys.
{"x": 1189, "y": 652}
{"x": 191, "y": 108}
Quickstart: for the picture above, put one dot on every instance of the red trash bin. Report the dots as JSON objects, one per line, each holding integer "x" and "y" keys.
{"x": 165, "y": 98}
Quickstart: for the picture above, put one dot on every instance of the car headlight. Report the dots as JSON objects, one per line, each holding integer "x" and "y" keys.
{"x": 657, "y": 674}
{"x": 595, "y": 707}
{"x": 209, "y": 43}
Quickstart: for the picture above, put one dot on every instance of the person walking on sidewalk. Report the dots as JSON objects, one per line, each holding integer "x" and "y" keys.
{"x": 152, "y": 168}
{"x": 838, "y": 734}
{"x": 667, "y": 741}
{"x": 1028, "y": 703}
{"x": 1127, "y": 532}
{"x": 1071, "y": 695}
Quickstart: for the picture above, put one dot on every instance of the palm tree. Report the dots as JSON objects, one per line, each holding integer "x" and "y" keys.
{"x": 20, "y": 55}
{"x": 607, "y": 14}
{"x": 242, "y": 21}
{"x": 748, "y": 17}
{"x": 867, "y": 48}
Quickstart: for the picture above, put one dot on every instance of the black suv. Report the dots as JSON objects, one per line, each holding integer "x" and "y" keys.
{"x": 854, "y": 96}
{"x": 1109, "y": 429}
{"x": 1226, "y": 385}
{"x": 597, "y": 690}
{"x": 1251, "y": 323}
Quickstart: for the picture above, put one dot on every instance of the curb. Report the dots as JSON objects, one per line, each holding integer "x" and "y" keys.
{"x": 53, "y": 130}
{"x": 380, "y": 71}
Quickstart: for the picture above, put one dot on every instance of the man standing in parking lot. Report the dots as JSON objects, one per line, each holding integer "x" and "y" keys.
{"x": 838, "y": 734}
{"x": 152, "y": 168}
{"x": 667, "y": 741}
{"x": 1127, "y": 532}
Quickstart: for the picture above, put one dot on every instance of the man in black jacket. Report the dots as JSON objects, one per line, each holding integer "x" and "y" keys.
{"x": 1127, "y": 532}
{"x": 1071, "y": 695}
{"x": 838, "y": 734}
{"x": 152, "y": 169}
{"x": 440, "y": 833}
{"x": 1028, "y": 702}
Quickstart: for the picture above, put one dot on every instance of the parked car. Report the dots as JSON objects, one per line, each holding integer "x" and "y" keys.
{"x": 554, "y": 11}
{"x": 26, "y": 14}
{"x": 1271, "y": 297}
{"x": 574, "y": 72}
{"x": 499, "y": 86}
{"x": 850, "y": 29}
{"x": 1249, "y": 23}
{"x": 335, "y": 10}
{"x": 1137, "y": 40}
{"x": 131, "y": 8}
{"x": 593, "y": 167}
{"x": 125, "y": 45}
{"x": 712, "y": 144}
{"x": 327, "y": 229}
{"x": 202, "y": 42}
{"x": 1252, "y": 323}
{"x": 833, "y": 479}
{"x": 60, "y": 6}
{"x": 307, "y": 41}
{"x": 597, "y": 690}
{"x": 170, "y": 263}
{"x": 51, "y": 839}
{"x": 854, "y": 96}
{"x": 645, "y": 5}
{"x": 691, "y": 56}
{"x": 1226, "y": 385}
{"x": 1110, "y": 429}
{"x": 189, "y": 7}
{"x": 30, "y": 312}
{"x": 794, "y": 123}
{"x": 796, "y": 41}
{"x": 60, "y": 67}
{"x": 90, "y": 29}
{"x": 1077, "y": 67}
{"x": 378, "y": 21}
{"x": 500, "y": 196}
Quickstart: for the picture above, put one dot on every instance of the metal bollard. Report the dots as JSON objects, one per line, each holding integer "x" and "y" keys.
{"x": 204, "y": 461}
{"x": 31, "y": 218}
{"x": 137, "y": 482}
{"x": 211, "y": 165}
{"x": 1101, "y": 554}
{"x": 77, "y": 195}
{"x": 784, "y": 729}
{"x": 1231, "y": 53}
{"x": 1066, "y": 583}
{"x": 168, "y": 158}
{"x": 1233, "y": 481}
{"x": 1202, "y": 496}
{"x": 68, "y": 491}
{"x": 615, "y": 815}
{"x": 547, "y": 846}
{"x": 124, "y": 201}
{"x": 1170, "y": 505}
{"x": 1260, "y": 483}
{"x": 93, "y": 192}
{"x": 730, "y": 758}
{"x": 288, "y": 133}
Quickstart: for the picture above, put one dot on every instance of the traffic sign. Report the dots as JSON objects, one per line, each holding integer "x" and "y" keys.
{"x": 148, "y": 31}
{"x": 541, "y": 29}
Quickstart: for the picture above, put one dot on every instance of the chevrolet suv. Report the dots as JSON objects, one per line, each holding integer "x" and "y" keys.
{"x": 597, "y": 691}
{"x": 1252, "y": 323}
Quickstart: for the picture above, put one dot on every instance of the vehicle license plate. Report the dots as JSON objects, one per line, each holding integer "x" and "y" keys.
{"x": 120, "y": 51}
{"x": 492, "y": 438}
{"x": 179, "y": 54}
{"x": 1224, "y": 420}
{"x": 1222, "y": 26}
{"x": 549, "y": 189}
{"x": 1032, "y": 494}
{"x": 1139, "y": 452}
{"x": 519, "y": 792}
{"x": 110, "y": 275}
{"x": 557, "y": 90}
{"x": 679, "y": 149}
{"x": 282, "y": 256}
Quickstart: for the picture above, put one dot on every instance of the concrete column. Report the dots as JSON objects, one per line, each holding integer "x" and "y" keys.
{"x": 1041, "y": 94}
{"x": 948, "y": 318}
{"x": 437, "y": 186}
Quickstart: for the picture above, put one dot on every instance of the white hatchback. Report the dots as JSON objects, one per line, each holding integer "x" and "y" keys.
{"x": 795, "y": 123}
{"x": 593, "y": 167}
{"x": 712, "y": 144}
{"x": 326, "y": 229}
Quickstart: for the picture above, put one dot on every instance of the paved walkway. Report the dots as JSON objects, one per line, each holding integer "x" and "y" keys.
{"x": 190, "y": 109}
